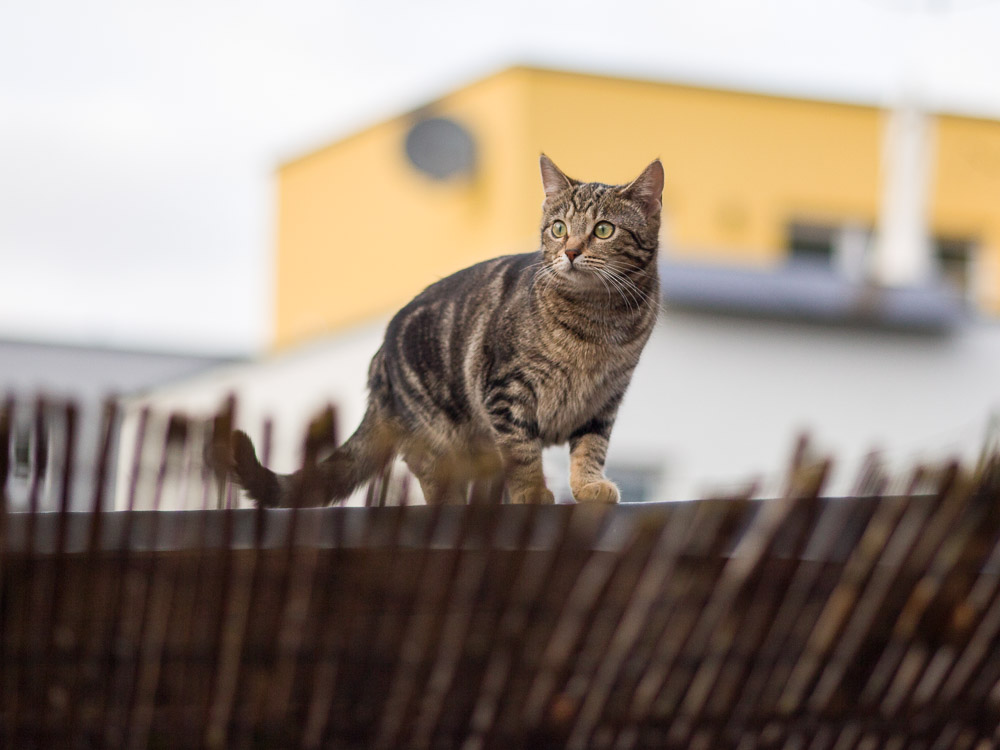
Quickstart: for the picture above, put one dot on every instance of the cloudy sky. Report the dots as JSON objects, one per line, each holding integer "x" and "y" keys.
{"x": 138, "y": 140}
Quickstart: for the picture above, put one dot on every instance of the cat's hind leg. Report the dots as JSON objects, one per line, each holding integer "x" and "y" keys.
{"x": 521, "y": 455}
{"x": 444, "y": 479}
{"x": 522, "y": 466}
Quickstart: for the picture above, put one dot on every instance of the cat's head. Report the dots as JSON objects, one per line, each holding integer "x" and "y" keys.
{"x": 590, "y": 229}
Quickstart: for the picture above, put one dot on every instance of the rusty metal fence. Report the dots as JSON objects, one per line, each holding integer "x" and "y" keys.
{"x": 800, "y": 622}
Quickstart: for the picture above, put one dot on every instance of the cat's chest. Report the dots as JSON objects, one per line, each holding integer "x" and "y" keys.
{"x": 574, "y": 393}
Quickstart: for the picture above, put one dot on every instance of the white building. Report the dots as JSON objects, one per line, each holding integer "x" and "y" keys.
{"x": 718, "y": 398}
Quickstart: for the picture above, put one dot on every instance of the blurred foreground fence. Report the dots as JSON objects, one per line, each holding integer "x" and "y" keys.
{"x": 799, "y": 622}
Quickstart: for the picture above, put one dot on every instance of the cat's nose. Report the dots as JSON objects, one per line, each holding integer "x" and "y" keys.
{"x": 572, "y": 253}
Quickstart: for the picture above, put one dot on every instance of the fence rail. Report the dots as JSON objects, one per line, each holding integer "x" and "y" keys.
{"x": 797, "y": 622}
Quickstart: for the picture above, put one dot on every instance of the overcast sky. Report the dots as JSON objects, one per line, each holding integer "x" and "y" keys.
{"x": 138, "y": 140}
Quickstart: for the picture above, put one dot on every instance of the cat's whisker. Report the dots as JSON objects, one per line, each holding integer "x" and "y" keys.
{"x": 624, "y": 293}
{"x": 619, "y": 281}
{"x": 541, "y": 269}
{"x": 642, "y": 297}
{"x": 630, "y": 277}
{"x": 622, "y": 264}
{"x": 547, "y": 278}
{"x": 627, "y": 299}
{"x": 625, "y": 268}
{"x": 643, "y": 294}
{"x": 600, "y": 277}
{"x": 637, "y": 297}
{"x": 629, "y": 282}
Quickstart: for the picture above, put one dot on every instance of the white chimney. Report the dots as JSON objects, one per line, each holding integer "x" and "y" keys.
{"x": 903, "y": 254}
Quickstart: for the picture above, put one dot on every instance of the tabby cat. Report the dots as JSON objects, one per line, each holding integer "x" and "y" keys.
{"x": 486, "y": 367}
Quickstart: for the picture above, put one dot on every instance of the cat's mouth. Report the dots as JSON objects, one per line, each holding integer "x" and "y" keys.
{"x": 570, "y": 268}
{"x": 578, "y": 272}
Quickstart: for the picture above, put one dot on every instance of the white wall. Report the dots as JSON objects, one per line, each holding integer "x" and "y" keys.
{"x": 290, "y": 388}
{"x": 723, "y": 398}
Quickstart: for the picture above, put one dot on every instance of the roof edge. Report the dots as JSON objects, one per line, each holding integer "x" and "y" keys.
{"x": 731, "y": 85}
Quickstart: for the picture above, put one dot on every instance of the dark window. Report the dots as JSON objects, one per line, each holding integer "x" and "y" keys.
{"x": 22, "y": 453}
{"x": 954, "y": 261}
{"x": 812, "y": 244}
{"x": 637, "y": 483}
{"x": 30, "y": 451}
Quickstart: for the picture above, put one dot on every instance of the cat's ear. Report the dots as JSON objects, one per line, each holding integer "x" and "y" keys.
{"x": 647, "y": 188}
{"x": 553, "y": 180}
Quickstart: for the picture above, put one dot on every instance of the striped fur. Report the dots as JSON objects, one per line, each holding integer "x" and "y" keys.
{"x": 488, "y": 366}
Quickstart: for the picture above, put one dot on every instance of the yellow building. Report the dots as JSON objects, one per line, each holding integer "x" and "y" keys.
{"x": 752, "y": 180}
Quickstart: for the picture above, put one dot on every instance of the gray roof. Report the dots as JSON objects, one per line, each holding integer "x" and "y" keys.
{"x": 811, "y": 293}
{"x": 90, "y": 372}
{"x": 87, "y": 375}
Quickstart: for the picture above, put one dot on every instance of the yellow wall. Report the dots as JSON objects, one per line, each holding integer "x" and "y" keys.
{"x": 738, "y": 166}
{"x": 360, "y": 231}
{"x": 965, "y": 195}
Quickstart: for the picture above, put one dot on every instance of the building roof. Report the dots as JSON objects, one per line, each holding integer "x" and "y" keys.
{"x": 83, "y": 371}
{"x": 811, "y": 294}
{"x": 722, "y": 85}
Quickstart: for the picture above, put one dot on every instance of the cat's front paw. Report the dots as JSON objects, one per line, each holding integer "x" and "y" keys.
{"x": 533, "y": 496}
{"x": 601, "y": 491}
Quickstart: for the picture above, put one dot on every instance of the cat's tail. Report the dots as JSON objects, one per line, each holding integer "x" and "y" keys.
{"x": 334, "y": 478}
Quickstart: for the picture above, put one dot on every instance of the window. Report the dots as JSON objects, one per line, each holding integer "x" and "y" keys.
{"x": 638, "y": 483}
{"x": 22, "y": 453}
{"x": 812, "y": 244}
{"x": 29, "y": 450}
{"x": 954, "y": 262}
{"x": 839, "y": 248}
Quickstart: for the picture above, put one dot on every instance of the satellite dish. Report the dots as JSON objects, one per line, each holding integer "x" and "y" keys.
{"x": 441, "y": 148}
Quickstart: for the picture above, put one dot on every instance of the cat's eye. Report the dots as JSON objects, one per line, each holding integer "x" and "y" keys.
{"x": 604, "y": 229}
{"x": 558, "y": 229}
